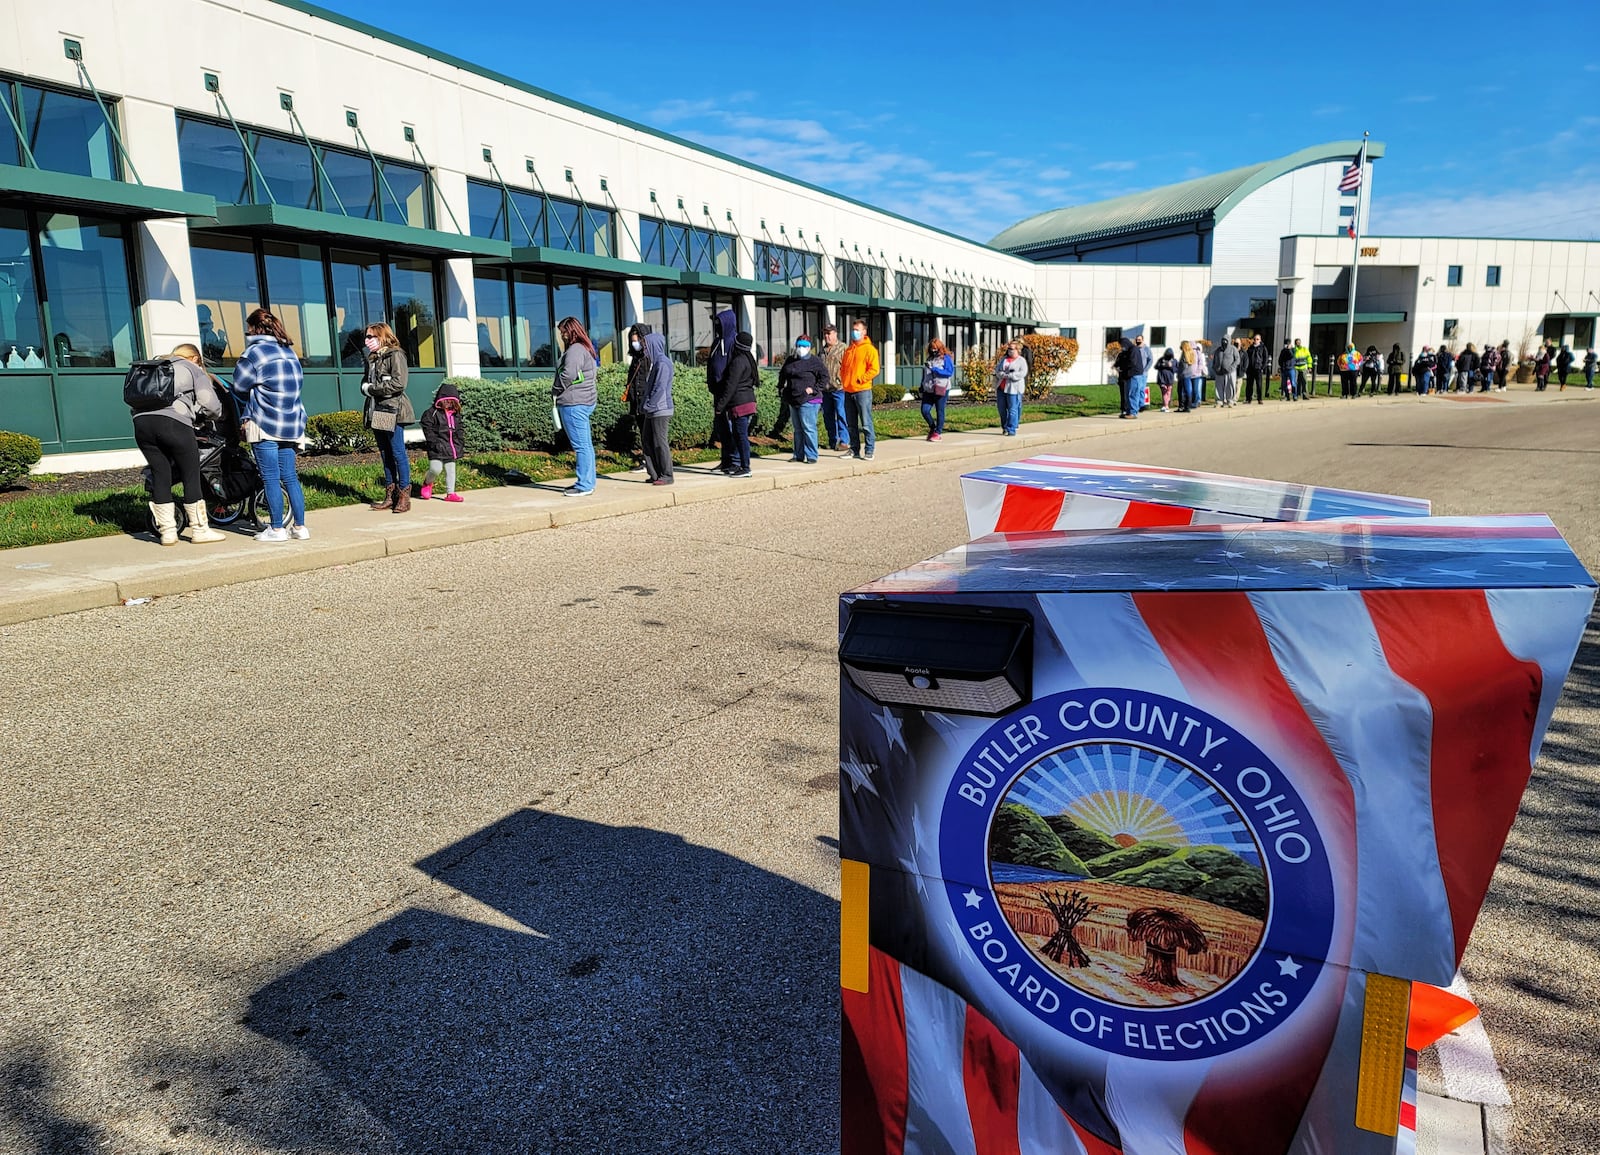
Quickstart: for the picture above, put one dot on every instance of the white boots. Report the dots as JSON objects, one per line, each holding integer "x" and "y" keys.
{"x": 199, "y": 527}
{"x": 166, "y": 519}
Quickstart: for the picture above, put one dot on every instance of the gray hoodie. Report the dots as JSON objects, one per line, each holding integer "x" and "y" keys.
{"x": 1226, "y": 358}
{"x": 195, "y": 395}
{"x": 576, "y": 377}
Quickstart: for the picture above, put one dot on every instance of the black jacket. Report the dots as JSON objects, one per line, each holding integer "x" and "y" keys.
{"x": 1258, "y": 359}
{"x": 1127, "y": 363}
{"x": 737, "y": 385}
{"x": 802, "y": 379}
{"x": 1286, "y": 360}
{"x": 1467, "y": 363}
{"x": 443, "y": 440}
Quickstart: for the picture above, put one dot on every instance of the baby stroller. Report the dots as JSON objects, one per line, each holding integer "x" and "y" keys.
{"x": 228, "y": 474}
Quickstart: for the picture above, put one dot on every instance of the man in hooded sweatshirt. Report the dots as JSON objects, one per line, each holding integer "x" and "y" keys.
{"x": 649, "y": 397}
{"x": 735, "y": 403}
{"x": 856, "y": 373}
{"x": 725, "y": 325}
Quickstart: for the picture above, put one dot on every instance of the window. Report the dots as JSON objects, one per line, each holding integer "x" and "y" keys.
{"x": 602, "y": 321}
{"x": 862, "y": 279}
{"x": 1158, "y": 335}
{"x": 535, "y": 336}
{"x": 687, "y": 247}
{"x": 357, "y": 302}
{"x": 1451, "y": 327}
{"x": 912, "y": 334}
{"x": 66, "y": 132}
{"x": 486, "y": 210}
{"x": 911, "y": 287}
{"x": 991, "y": 301}
{"x": 1452, "y": 276}
{"x": 1114, "y": 335}
{"x": 298, "y": 294}
{"x": 492, "y": 295}
{"x": 1022, "y": 307}
{"x": 21, "y": 322}
{"x": 226, "y": 291}
{"x": 1491, "y": 276}
{"x": 779, "y": 265}
{"x": 213, "y": 161}
{"x": 957, "y": 296}
{"x": 414, "y": 315}
{"x": 1072, "y": 334}
{"x": 86, "y": 284}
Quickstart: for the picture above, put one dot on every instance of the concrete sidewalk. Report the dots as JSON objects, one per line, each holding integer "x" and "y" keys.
{"x": 39, "y": 581}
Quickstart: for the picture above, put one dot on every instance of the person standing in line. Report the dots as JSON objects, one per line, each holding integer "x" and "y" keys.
{"x": 166, "y": 437}
{"x": 1564, "y": 361}
{"x": 1504, "y": 372}
{"x": 1488, "y": 369}
{"x": 735, "y": 403}
{"x": 442, "y": 433}
{"x": 268, "y": 381}
{"x": 1466, "y": 368}
{"x": 1588, "y": 369}
{"x": 802, "y": 381}
{"x": 1396, "y": 364}
{"x": 1302, "y": 370}
{"x": 1257, "y": 368}
{"x": 1541, "y": 369}
{"x": 1124, "y": 364}
{"x": 1166, "y": 377}
{"x": 1444, "y": 365}
{"x": 1286, "y": 371}
{"x": 1186, "y": 371}
{"x": 937, "y": 374}
{"x": 387, "y": 412}
{"x": 833, "y": 400}
{"x": 575, "y": 394}
{"x": 649, "y": 397}
{"x": 1371, "y": 370}
{"x": 1143, "y": 358}
{"x": 1226, "y": 366}
{"x": 724, "y": 326}
{"x": 1010, "y": 378}
{"x": 1422, "y": 371}
{"x": 857, "y": 371}
{"x": 1349, "y": 372}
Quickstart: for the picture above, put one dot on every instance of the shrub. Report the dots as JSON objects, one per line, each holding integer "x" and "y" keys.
{"x": 1048, "y": 356}
{"x": 341, "y": 432}
{"x": 887, "y": 392}
{"x": 516, "y": 413}
{"x": 977, "y": 375}
{"x": 18, "y": 454}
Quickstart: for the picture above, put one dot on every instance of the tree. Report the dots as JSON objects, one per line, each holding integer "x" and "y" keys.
{"x": 1164, "y": 932}
{"x": 977, "y": 375}
{"x": 1070, "y": 908}
{"x": 1048, "y": 355}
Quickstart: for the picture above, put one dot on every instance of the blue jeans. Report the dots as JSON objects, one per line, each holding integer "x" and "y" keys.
{"x": 1010, "y": 407}
{"x": 276, "y": 461}
{"x": 833, "y": 418}
{"x": 1139, "y": 392}
{"x": 858, "y": 413}
{"x": 933, "y": 413}
{"x": 737, "y": 447}
{"x": 805, "y": 430}
{"x": 396, "y": 462}
{"x": 575, "y": 420}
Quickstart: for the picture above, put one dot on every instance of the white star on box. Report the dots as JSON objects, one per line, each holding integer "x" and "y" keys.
{"x": 891, "y": 729}
{"x": 860, "y": 774}
{"x": 1287, "y": 966}
{"x": 974, "y": 899}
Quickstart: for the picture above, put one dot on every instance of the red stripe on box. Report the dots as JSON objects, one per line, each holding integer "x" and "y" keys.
{"x": 991, "y": 1068}
{"x": 873, "y": 1073}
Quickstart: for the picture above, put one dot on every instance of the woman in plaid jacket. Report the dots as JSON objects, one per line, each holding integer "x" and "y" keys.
{"x": 267, "y": 382}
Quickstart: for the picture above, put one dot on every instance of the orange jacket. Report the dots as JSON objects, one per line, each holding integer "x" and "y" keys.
{"x": 860, "y": 366}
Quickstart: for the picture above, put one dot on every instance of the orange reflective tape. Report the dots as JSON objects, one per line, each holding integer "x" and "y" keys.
{"x": 1384, "y": 1018}
{"x": 854, "y": 886}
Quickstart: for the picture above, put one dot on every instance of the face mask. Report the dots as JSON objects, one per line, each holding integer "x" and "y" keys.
{"x": 636, "y": 346}
{"x": 857, "y": 335}
{"x": 802, "y": 350}
{"x": 372, "y": 344}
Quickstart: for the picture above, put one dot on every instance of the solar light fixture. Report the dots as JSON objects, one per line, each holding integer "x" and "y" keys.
{"x": 960, "y": 660}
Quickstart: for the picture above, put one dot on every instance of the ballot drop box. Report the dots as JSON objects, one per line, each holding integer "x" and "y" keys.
{"x": 1146, "y": 832}
{"x": 1052, "y": 492}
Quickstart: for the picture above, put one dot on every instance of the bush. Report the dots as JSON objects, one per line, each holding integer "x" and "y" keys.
{"x": 977, "y": 375}
{"x": 1048, "y": 355}
{"x": 341, "y": 432}
{"x": 18, "y": 454}
{"x": 887, "y": 393}
{"x": 516, "y": 413}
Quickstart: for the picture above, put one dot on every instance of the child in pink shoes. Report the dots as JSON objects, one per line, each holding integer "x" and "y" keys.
{"x": 441, "y": 430}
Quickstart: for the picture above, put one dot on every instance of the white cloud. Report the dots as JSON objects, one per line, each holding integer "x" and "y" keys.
{"x": 1115, "y": 166}
{"x": 1054, "y": 172}
{"x": 1327, "y": 110}
{"x": 1566, "y": 211}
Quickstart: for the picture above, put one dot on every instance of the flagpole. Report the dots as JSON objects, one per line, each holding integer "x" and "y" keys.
{"x": 1355, "y": 246}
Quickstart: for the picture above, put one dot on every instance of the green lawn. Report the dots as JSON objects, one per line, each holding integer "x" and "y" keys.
{"x": 46, "y": 518}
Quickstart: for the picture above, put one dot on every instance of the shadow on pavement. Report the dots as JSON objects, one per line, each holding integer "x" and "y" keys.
{"x": 664, "y": 997}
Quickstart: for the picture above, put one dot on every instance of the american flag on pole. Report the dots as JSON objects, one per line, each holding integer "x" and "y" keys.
{"x": 1261, "y": 771}
{"x": 1350, "y": 178}
{"x": 1350, "y": 229}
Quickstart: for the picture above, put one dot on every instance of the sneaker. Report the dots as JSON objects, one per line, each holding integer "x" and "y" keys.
{"x": 740, "y": 473}
{"x": 662, "y": 481}
{"x": 574, "y": 491}
{"x": 300, "y": 532}
{"x": 453, "y": 497}
{"x": 869, "y": 456}
{"x": 936, "y": 437}
{"x": 270, "y": 534}
{"x": 426, "y": 493}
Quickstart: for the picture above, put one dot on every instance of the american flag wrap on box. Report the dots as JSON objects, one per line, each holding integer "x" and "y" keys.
{"x": 1243, "y": 782}
{"x": 1050, "y": 492}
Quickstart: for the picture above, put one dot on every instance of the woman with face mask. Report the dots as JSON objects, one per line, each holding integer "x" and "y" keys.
{"x": 801, "y": 383}
{"x": 649, "y": 397}
{"x": 387, "y": 413}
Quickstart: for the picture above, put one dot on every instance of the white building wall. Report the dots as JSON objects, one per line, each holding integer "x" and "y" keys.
{"x": 1092, "y": 298}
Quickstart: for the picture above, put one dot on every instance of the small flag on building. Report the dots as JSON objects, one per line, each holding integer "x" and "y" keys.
{"x": 1350, "y": 179}
{"x": 1350, "y": 229}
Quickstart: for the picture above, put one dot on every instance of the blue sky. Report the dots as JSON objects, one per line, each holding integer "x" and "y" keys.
{"x": 975, "y": 116}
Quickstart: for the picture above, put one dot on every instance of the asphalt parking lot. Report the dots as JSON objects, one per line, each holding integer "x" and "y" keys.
{"x": 529, "y": 844}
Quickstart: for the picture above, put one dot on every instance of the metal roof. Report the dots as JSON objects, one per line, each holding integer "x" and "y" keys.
{"x": 1188, "y": 202}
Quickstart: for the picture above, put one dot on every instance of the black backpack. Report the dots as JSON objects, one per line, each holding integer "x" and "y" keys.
{"x": 149, "y": 385}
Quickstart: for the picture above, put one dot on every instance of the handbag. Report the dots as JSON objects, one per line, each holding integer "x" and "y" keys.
{"x": 381, "y": 420}
{"x": 252, "y": 432}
